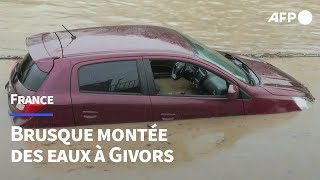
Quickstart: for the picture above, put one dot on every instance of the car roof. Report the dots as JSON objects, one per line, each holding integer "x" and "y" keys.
{"x": 108, "y": 39}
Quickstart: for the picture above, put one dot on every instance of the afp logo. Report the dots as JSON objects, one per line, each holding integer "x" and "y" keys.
{"x": 304, "y": 17}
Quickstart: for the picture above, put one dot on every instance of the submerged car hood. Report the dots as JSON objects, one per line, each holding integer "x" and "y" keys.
{"x": 274, "y": 80}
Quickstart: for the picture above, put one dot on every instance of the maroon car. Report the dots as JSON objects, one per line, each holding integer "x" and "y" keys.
{"x": 143, "y": 73}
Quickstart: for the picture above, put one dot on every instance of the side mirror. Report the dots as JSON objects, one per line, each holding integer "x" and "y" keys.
{"x": 233, "y": 91}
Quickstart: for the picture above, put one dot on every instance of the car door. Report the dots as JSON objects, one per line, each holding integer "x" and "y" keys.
{"x": 109, "y": 91}
{"x": 171, "y": 107}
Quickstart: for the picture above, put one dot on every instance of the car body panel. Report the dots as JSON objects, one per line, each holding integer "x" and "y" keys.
{"x": 108, "y": 39}
{"x": 101, "y": 108}
{"x": 175, "y": 108}
{"x": 275, "y": 80}
{"x": 262, "y": 102}
{"x": 54, "y": 85}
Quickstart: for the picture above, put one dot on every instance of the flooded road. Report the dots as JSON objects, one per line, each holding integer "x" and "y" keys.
{"x": 278, "y": 146}
{"x": 236, "y": 26}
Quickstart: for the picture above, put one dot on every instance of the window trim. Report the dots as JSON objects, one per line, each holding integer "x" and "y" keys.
{"x": 139, "y": 73}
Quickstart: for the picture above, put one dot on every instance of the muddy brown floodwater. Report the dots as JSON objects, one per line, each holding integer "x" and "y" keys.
{"x": 277, "y": 146}
{"x": 237, "y": 26}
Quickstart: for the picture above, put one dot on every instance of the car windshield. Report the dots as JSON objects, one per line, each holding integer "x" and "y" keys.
{"x": 211, "y": 56}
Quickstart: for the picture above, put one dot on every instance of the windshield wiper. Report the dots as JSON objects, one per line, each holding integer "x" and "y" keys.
{"x": 243, "y": 66}
{"x": 247, "y": 71}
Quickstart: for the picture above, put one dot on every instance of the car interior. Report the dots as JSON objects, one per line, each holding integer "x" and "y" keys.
{"x": 180, "y": 78}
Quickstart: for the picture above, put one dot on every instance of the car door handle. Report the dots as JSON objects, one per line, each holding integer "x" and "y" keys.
{"x": 90, "y": 114}
{"x": 167, "y": 116}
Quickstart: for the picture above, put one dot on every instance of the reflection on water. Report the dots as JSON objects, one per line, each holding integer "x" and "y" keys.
{"x": 237, "y": 26}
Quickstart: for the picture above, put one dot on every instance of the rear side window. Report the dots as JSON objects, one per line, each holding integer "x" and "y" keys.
{"x": 109, "y": 77}
{"x": 28, "y": 73}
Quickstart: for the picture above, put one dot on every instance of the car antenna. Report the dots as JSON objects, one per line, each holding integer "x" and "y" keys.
{"x": 73, "y": 37}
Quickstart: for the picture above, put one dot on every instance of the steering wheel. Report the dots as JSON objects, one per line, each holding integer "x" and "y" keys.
{"x": 198, "y": 78}
{"x": 178, "y": 70}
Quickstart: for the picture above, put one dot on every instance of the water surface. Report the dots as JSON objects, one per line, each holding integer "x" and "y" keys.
{"x": 237, "y": 26}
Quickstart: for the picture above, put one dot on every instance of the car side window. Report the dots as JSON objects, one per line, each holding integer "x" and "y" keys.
{"x": 176, "y": 78}
{"x": 110, "y": 77}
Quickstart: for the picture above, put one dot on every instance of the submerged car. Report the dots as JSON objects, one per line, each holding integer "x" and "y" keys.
{"x": 120, "y": 74}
